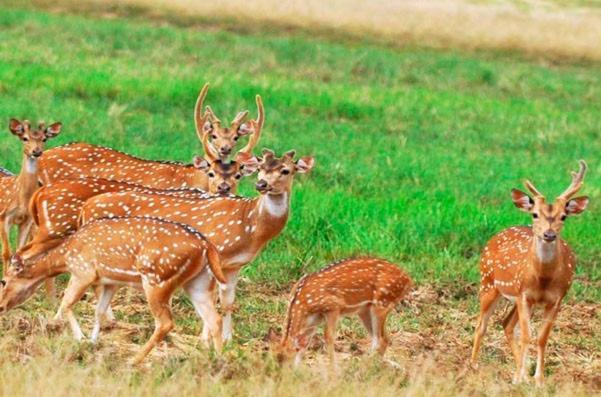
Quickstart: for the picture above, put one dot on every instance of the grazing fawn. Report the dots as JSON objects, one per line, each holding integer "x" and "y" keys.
{"x": 19, "y": 189}
{"x": 530, "y": 266}
{"x": 156, "y": 255}
{"x": 211, "y": 173}
{"x": 239, "y": 227}
{"x": 368, "y": 287}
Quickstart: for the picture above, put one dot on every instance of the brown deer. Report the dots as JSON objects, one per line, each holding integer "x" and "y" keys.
{"x": 155, "y": 255}
{"x": 20, "y": 188}
{"x": 79, "y": 160}
{"x": 368, "y": 287}
{"x": 239, "y": 227}
{"x": 530, "y": 266}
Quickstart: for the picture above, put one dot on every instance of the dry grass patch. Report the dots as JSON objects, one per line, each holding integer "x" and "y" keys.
{"x": 570, "y": 31}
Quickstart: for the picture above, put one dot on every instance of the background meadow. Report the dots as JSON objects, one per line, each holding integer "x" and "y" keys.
{"x": 417, "y": 148}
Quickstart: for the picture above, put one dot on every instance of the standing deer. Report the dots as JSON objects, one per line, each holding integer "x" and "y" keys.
{"x": 19, "y": 189}
{"x": 368, "y": 287}
{"x": 530, "y": 266}
{"x": 78, "y": 160}
{"x": 153, "y": 254}
{"x": 239, "y": 227}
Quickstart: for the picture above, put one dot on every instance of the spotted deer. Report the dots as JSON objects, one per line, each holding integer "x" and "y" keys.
{"x": 213, "y": 172}
{"x": 155, "y": 255}
{"x": 20, "y": 188}
{"x": 530, "y": 266}
{"x": 239, "y": 227}
{"x": 368, "y": 287}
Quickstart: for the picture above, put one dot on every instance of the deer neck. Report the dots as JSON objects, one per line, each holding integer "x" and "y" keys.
{"x": 545, "y": 255}
{"x": 27, "y": 181}
{"x": 272, "y": 214}
{"x": 48, "y": 264}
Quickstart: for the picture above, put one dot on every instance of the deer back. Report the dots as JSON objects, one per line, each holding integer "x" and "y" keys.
{"x": 80, "y": 160}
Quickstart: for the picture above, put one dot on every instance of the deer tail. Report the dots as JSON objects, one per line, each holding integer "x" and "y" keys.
{"x": 215, "y": 263}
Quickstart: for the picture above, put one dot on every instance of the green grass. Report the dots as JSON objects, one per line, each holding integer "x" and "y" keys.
{"x": 417, "y": 150}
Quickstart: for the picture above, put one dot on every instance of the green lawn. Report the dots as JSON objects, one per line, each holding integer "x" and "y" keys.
{"x": 417, "y": 150}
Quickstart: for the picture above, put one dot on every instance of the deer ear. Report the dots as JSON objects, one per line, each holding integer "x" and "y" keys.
{"x": 290, "y": 154}
{"x": 207, "y": 127}
{"x": 53, "y": 130}
{"x": 522, "y": 200}
{"x": 16, "y": 127}
{"x": 244, "y": 129}
{"x": 201, "y": 163}
{"x": 577, "y": 205}
{"x": 249, "y": 164}
{"x": 305, "y": 164}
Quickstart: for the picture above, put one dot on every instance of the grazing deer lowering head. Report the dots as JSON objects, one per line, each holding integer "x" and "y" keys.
{"x": 239, "y": 227}
{"x": 530, "y": 266}
{"x": 368, "y": 287}
{"x": 157, "y": 255}
{"x": 21, "y": 188}
{"x": 224, "y": 139}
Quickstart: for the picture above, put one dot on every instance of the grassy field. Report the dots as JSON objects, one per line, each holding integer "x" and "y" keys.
{"x": 417, "y": 150}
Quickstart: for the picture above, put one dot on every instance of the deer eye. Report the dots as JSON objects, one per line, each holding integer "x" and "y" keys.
{"x": 25, "y": 139}
{"x": 535, "y": 215}
{"x": 238, "y": 176}
{"x": 3, "y": 282}
{"x": 563, "y": 217}
{"x": 213, "y": 136}
{"x": 236, "y": 138}
{"x": 285, "y": 172}
{"x": 44, "y": 140}
{"x": 211, "y": 174}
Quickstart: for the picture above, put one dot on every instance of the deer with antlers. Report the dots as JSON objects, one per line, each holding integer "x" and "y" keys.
{"x": 530, "y": 266}
{"x": 20, "y": 188}
{"x": 239, "y": 227}
{"x": 155, "y": 255}
{"x": 210, "y": 173}
{"x": 368, "y": 287}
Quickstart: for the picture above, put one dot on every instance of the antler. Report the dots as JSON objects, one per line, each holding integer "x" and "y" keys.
{"x": 200, "y": 120}
{"x": 530, "y": 186}
{"x": 577, "y": 179}
{"x": 257, "y": 126}
{"x": 211, "y": 153}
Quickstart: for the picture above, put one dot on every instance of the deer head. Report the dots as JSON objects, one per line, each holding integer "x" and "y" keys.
{"x": 548, "y": 219}
{"x": 19, "y": 284}
{"x": 224, "y": 139}
{"x": 276, "y": 174}
{"x": 224, "y": 176}
{"x": 33, "y": 140}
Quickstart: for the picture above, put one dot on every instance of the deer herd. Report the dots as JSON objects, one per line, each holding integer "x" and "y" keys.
{"x": 110, "y": 219}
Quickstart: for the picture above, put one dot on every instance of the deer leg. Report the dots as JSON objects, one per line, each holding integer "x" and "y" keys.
{"x": 543, "y": 337}
{"x": 509, "y": 323}
{"x": 227, "y": 294}
{"x": 23, "y": 232}
{"x": 158, "y": 300}
{"x": 75, "y": 290}
{"x": 523, "y": 308}
{"x": 106, "y": 295}
{"x": 304, "y": 338}
{"x": 330, "y": 333}
{"x": 108, "y": 313}
{"x": 206, "y": 330}
{"x": 203, "y": 299}
{"x": 4, "y": 236}
{"x": 365, "y": 316}
{"x": 488, "y": 302}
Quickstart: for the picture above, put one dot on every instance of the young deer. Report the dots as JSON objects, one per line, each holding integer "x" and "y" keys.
{"x": 156, "y": 255}
{"x": 239, "y": 227}
{"x": 368, "y": 287}
{"x": 19, "y": 189}
{"x": 212, "y": 173}
{"x": 530, "y": 266}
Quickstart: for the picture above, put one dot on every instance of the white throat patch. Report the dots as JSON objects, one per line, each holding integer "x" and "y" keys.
{"x": 31, "y": 165}
{"x": 546, "y": 251}
{"x": 276, "y": 207}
